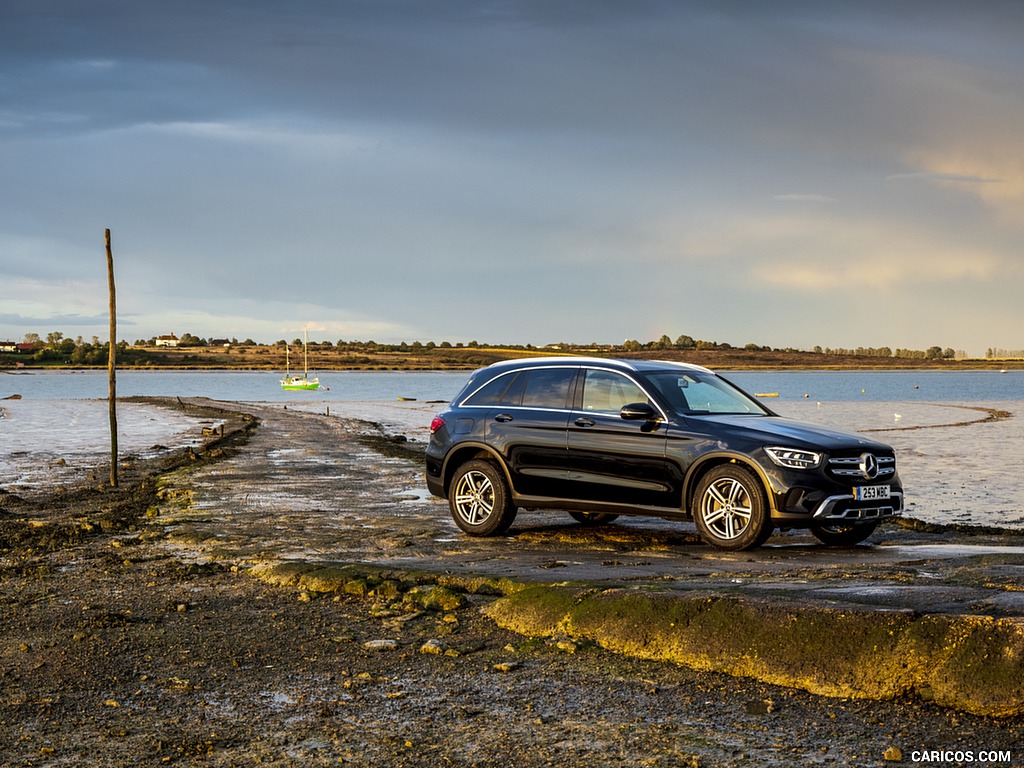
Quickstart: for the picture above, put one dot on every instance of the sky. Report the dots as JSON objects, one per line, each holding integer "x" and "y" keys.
{"x": 790, "y": 174}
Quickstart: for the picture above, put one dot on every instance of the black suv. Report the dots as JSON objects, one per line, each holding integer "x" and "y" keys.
{"x": 600, "y": 438}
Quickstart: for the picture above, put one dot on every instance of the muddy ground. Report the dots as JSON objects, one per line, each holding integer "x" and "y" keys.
{"x": 133, "y": 635}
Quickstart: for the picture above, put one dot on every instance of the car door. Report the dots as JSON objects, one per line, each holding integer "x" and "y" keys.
{"x": 617, "y": 460}
{"x": 528, "y": 427}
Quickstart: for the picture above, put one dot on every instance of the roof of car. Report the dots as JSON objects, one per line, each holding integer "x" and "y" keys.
{"x": 607, "y": 362}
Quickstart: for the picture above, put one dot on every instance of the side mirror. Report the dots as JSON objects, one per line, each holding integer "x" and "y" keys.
{"x": 638, "y": 412}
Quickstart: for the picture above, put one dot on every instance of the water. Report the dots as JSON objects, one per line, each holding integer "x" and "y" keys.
{"x": 262, "y": 386}
{"x": 885, "y": 386}
{"x": 957, "y": 466}
{"x": 57, "y": 442}
{"x": 245, "y": 386}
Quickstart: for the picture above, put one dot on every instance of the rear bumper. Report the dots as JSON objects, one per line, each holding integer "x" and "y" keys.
{"x": 435, "y": 483}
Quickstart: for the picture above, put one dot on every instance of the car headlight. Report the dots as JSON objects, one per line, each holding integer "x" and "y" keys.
{"x": 793, "y": 458}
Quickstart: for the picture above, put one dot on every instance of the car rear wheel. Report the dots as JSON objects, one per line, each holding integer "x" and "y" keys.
{"x": 731, "y": 511}
{"x": 843, "y": 534}
{"x": 593, "y": 518}
{"x": 479, "y": 499}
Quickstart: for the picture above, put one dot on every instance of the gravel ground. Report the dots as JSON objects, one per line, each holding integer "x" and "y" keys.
{"x": 116, "y": 654}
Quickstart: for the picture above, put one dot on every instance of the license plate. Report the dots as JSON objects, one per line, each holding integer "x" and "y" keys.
{"x": 870, "y": 492}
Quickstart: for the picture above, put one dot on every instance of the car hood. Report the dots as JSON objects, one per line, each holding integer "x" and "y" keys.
{"x": 787, "y": 432}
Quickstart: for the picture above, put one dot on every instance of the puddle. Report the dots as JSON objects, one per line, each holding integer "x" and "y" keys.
{"x": 949, "y": 551}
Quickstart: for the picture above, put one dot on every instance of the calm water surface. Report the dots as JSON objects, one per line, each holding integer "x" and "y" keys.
{"x": 846, "y": 386}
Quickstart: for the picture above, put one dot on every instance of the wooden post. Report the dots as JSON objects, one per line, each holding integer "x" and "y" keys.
{"x": 112, "y": 363}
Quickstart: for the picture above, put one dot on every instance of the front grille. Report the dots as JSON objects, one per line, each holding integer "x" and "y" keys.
{"x": 866, "y": 466}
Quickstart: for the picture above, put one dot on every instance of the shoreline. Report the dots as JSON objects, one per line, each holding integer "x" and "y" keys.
{"x": 966, "y": 367}
{"x": 405, "y": 357}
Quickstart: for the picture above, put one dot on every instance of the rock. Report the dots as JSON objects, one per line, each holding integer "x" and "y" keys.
{"x": 381, "y": 645}
{"x": 435, "y": 599}
{"x": 435, "y": 647}
{"x": 893, "y": 755}
{"x": 389, "y": 589}
{"x": 567, "y": 646}
{"x": 507, "y": 666}
{"x": 358, "y": 587}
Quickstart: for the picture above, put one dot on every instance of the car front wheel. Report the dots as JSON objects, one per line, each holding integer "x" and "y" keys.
{"x": 731, "y": 511}
{"x": 479, "y": 499}
{"x": 843, "y": 534}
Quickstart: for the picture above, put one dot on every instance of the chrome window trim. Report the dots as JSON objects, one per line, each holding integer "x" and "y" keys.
{"x": 583, "y": 367}
{"x": 513, "y": 371}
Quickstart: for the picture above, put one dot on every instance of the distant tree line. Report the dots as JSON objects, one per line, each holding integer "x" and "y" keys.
{"x": 1002, "y": 354}
{"x": 932, "y": 353}
{"x": 78, "y": 351}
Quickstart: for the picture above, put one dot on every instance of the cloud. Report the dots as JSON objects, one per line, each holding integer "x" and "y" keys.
{"x": 941, "y": 178}
{"x": 875, "y": 256}
{"x": 835, "y": 253}
{"x": 992, "y": 173}
{"x": 54, "y": 322}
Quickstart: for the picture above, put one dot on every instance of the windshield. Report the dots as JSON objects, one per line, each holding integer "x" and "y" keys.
{"x": 696, "y": 393}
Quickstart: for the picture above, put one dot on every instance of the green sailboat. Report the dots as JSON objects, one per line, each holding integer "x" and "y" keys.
{"x": 294, "y": 380}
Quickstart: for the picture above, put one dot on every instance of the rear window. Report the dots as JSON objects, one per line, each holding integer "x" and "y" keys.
{"x": 531, "y": 388}
{"x": 498, "y": 391}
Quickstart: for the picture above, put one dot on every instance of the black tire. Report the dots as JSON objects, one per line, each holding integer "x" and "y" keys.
{"x": 479, "y": 499}
{"x": 730, "y": 509}
{"x": 843, "y": 534}
{"x": 593, "y": 518}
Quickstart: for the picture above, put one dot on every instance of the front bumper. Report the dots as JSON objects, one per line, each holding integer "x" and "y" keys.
{"x": 844, "y": 508}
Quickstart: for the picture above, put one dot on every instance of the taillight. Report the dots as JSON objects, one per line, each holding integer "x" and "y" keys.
{"x": 436, "y": 424}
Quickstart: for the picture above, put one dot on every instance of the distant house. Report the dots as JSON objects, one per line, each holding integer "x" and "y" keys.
{"x": 28, "y": 348}
{"x": 220, "y": 342}
{"x": 8, "y": 346}
{"x": 167, "y": 341}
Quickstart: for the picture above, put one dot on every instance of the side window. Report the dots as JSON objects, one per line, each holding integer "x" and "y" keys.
{"x": 547, "y": 387}
{"x": 497, "y": 391}
{"x": 607, "y": 392}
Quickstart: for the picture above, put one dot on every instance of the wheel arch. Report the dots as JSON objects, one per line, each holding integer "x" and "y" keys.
{"x": 468, "y": 452}
{"x": 708, "y": 463}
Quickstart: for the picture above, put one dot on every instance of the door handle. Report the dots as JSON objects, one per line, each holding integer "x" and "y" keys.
{"x": 583, "y": 421}
{"x": 503, "y": 417}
